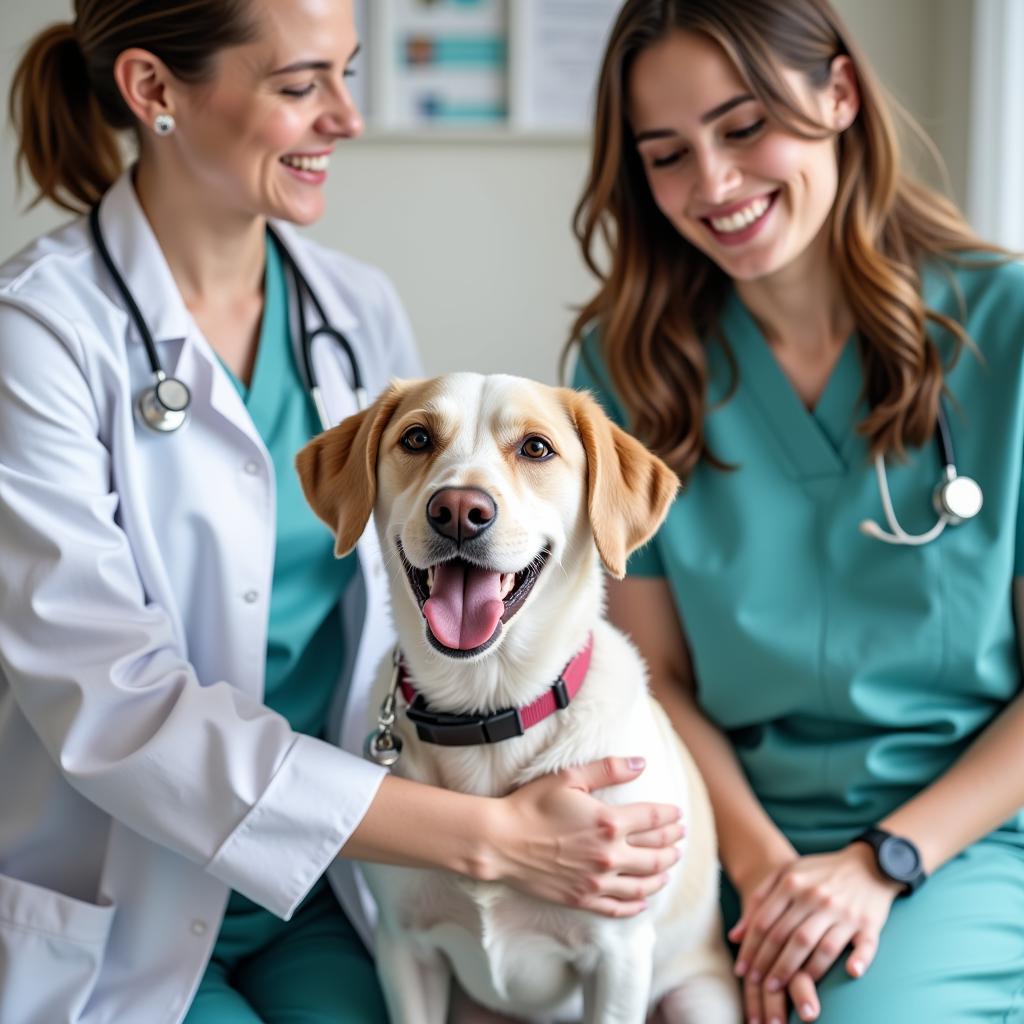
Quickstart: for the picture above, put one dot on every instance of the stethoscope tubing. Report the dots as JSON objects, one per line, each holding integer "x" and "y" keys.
{"x": 952, "y": 490}
{"x": 303, "y": 287}
{"x": 122, "y": 286}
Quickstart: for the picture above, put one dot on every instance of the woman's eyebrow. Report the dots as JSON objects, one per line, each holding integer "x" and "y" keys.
{"x": 711, "y": 115}
{"x": 724, "y": 108}
{"x": 313, "y": 65}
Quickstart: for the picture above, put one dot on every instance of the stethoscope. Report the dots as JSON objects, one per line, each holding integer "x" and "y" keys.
{"x": 956, "y": 498}
{"x": 164, "y": 405}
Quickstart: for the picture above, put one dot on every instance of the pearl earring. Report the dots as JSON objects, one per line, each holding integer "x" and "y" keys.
{"x": 163, "y": 124}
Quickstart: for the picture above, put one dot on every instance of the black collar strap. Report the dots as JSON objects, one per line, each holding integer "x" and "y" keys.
{"x": 472, "y": 730}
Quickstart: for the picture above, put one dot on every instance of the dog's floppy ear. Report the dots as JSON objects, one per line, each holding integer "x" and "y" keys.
{"x": 629, "y": 489}
{"x": 338, "y": 469}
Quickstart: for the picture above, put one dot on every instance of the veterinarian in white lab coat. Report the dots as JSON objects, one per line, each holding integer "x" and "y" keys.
{"x": 180, "y": 654}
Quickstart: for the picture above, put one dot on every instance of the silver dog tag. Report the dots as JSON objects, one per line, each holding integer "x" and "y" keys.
{"x": 383, "y": 746}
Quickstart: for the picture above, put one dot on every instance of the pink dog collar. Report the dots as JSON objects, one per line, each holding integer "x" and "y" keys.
{"x": 448, "y": 730}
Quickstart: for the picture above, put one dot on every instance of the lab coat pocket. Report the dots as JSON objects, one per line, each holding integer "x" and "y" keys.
{"x": 51, "y": 948}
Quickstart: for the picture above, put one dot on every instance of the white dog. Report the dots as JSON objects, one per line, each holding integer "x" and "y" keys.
{"x": 493, "y": 498}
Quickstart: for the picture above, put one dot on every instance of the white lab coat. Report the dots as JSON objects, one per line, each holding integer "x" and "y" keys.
{"x": 141, "y": 778}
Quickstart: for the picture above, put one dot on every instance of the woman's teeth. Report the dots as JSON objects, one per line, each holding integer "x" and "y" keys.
{"x": 307, "y": 163}
{"x": 741, "y": 218}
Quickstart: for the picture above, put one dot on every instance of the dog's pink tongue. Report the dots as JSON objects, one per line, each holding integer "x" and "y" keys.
{"x": 464, "y": 607}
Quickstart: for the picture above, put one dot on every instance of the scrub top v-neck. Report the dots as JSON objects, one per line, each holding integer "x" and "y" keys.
{"x": 847, "y": 673}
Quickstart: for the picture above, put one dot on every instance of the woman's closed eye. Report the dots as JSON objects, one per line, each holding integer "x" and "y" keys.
{"x": 747, "y": 132}
{"x": 669, "y": 158}
{"x": 299, "y": 91}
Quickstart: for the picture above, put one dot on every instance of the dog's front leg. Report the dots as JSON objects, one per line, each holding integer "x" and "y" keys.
{"x": 618, "y": 990}
{"x": 415, "y": 981}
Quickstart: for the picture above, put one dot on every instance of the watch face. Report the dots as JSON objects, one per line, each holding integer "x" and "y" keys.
{"x": 899, "y": 859}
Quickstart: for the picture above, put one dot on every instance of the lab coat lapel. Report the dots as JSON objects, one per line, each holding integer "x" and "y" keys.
{"x": 184, "y": 351}
{"x": 140, "y": 261}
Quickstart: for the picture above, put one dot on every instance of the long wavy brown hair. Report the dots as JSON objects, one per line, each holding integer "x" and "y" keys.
{"x": 660, "y": 297}
{"x": 65, "y": 103}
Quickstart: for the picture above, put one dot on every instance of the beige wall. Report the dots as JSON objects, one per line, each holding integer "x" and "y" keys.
{"x": 476, "y": 235}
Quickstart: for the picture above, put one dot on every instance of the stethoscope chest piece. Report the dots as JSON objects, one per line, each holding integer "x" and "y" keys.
{"x": 164, "y": 406}
{"x": 959, "y": 498}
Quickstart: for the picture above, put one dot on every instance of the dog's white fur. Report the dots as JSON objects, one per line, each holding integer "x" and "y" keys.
{"x": 602, "y": 492}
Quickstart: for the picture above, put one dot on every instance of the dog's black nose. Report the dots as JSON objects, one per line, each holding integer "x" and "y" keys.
{"x": 461, "y": 513}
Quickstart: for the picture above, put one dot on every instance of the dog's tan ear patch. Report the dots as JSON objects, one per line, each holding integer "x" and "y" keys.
{"x": 629, "y": 489}
{"x": 338, "y": 469}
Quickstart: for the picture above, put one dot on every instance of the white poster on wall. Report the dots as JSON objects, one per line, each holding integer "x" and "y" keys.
{"x": 558, "y": 49}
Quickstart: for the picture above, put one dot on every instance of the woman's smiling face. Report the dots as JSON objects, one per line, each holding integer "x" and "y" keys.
{"x": 258, "y": 135}
{"x": 745, "y": 191}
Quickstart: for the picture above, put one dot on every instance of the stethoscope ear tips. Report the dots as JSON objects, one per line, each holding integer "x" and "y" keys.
{"x": 871, "y": 529}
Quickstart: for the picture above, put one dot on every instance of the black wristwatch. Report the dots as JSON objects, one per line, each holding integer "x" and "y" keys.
{"x": 897, "y": 858}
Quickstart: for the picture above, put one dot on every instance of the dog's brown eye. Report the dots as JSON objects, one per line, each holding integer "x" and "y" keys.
{"x": 536, "y": 448}
{"x": 416, "y": 439}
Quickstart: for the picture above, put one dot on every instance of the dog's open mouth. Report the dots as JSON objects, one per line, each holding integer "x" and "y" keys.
{"x": 465, "y": 604}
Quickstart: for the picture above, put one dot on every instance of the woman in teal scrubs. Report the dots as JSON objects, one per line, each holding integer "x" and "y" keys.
{"x": 782, "y": 306}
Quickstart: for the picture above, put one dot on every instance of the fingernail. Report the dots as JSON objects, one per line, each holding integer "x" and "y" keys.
{"x": 754, "y": 1020}
{"x": 741, "y": 966}
{"x": 755, "y": 976}
{"x": 775, "y": 1020}
{"x": 635, "y": 763}
{"x": 857, "y": 968}
{"x": 773, "y": 984}
{"x": 807, "y": 1011}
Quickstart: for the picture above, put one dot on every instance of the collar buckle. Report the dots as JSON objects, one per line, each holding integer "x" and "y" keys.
{"x": 463, "y": 730}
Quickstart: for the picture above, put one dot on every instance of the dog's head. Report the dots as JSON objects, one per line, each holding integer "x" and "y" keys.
{"x": 485, "y": 490}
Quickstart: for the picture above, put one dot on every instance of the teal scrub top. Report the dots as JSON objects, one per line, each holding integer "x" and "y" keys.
{"x": 848, "y": 673}
{"x": 304, "y": 643}
{"x": 304, "y": 650}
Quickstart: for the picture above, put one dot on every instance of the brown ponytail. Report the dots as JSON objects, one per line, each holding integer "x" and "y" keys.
{"x": 69, "y": 149}
{"x": 65, "y": 104}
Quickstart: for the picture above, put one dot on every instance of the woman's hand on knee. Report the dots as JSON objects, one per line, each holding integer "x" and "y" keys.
{"x": 556, "y": 841}
{"x": 800, "y": 919}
